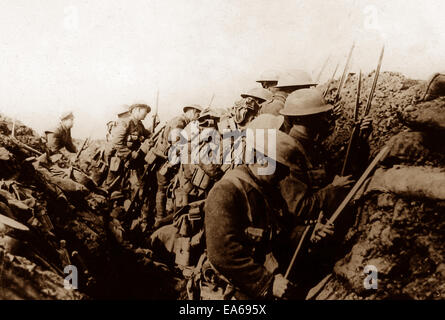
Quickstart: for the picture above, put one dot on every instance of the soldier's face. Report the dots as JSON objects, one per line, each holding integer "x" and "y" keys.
{"x": 68, "y": 123}
{"x": 141, "y": 113}
{"x": 192, "y": 114}
{"x": 268, "y": 84}
{"x": 314, "y": 125}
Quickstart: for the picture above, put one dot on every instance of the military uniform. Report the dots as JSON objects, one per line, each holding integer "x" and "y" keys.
{"x": 197, "y": 177}
{"x": 240, "y": 228}
{"x": 305, "y": 189}
{"x": 59, "y": 138}
{"x": 288, "y": 82}
{"x": 165, "y": 174}
{"x": 274, "y": 105}
{"x": 298, "y": 188}
{"x": 127, "y": 137}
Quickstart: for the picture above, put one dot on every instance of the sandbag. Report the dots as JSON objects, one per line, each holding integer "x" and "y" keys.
{"x": 426, "y": 116}
{"x": 410, "y": 181}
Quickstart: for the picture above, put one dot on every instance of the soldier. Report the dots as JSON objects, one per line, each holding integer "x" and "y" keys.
{"x": 167, "y": 171}
{"x": 124, "y": 113}
{"x": 242, "y": 223}
{"x": 196, "y": 177}
{"x": 60, "y": 137}
{"x": 306, "y": 189}
{"x": 268, "y": 79}
{"x": 125, "y": 142}
{"x": 287, "y": 83}
{"x": 246, "y": 109}
{"x": 100, "y": 160}
{"x": 309, "y": 121}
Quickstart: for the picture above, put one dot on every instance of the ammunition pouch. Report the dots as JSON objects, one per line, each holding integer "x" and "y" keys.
{"x": 189, "y": 221}
{"x": 181, "y": 198}
{"x": 165, "y": 169}
{"x": 115, "y": 164}
{"x": 182, "y": 251}
{"x": 200, "y": 179}
{"x": 150, "y": 157}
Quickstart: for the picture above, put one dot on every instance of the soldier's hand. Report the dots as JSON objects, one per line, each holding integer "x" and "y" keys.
{"x": 281, "y": 287}
{"x": 366, "y": 126}
{"x": 343, "y": 181}
{"x": 322, "y": 231}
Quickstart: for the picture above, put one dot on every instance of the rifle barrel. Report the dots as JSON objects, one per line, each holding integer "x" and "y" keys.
{"x": 211, "y": 100}
{"x": 322, "y": 69}
{"x": 343, "y": 76}
{"x": 330, "y": 81}
{"x": 357, "y": 101}
{"x": 374, "y": 83}
{"x": 82, "y": 148}
{"x": 380, "y": 156}
{"x": 355, "y": 129}
{"x": 155, "y": 113}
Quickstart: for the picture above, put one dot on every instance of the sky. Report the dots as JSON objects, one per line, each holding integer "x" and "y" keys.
{"x": 93, "y": 57}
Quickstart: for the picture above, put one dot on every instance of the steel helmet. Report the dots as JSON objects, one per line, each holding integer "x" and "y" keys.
{"x": 298, "y": 78}
{"x": 192, "y": 106}
{"x": 139, "y": 105}
{"x": 305, "y": 102}
{"x": 123, "y": 111}
{"x": 211, "y": 113}
{"x": 284, "y": 149}
{"x": 269, "y": 75}
{"x": 67, "y": 115}
{"x": 268, "y": 121}
{"x": 259, "y": 93}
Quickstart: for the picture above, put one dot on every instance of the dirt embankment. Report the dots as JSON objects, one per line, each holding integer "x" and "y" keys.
{"x": 400, "y": 225}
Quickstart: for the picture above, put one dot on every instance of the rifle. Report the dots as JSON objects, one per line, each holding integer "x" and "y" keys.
{"x": 356, "y": 127}
{"x": 157, "y": 133}
{"x": 156, "y": 113}
{"x": 356, "y": 130}
{"x": 343, "y": 76}
{"x": 25, "y": 146}
{"x": 374, "y": 83}
{"x": 330, "y": 81}
{"x": 322, "y": 69}
{"x": 380, "y": 156}
{"x": 147, "y": 170}
{"x": 87, "y": 140}
{"x": 211, "y": 100}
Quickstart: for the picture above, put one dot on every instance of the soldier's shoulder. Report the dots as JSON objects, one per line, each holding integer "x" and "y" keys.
{"x": 124, "y": 122}
{"x": 223, "y": 192}
{"x": 53, "y": 130}
{"x": 177, "y": 122}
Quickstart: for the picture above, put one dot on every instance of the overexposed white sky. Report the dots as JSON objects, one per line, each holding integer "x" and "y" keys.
{"x": 94, "y": 56}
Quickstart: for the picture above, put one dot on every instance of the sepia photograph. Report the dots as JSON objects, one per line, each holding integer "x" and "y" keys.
{"x": 190, "y": 151}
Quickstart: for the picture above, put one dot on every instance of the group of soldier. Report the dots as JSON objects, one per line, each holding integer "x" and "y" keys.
{"x": 244, "y": 224}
